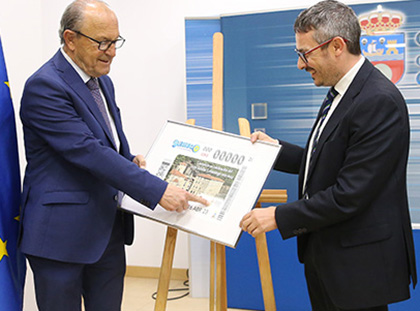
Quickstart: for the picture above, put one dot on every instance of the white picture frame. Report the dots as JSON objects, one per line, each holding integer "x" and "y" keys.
{"x": 226, "y": 169}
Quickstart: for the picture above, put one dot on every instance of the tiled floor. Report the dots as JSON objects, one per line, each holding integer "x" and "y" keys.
{"x": 138, "y": 297}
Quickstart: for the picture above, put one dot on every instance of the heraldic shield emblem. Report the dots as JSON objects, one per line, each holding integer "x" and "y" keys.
{"x": 381, "y": 42}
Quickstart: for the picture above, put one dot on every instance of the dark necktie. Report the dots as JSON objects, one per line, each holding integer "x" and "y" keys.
{"x": 326, "y": 105}
{"x": 93, "y": 86}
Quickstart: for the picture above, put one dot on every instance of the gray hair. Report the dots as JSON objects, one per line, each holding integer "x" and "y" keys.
{"x": 73, "y": 16}
{"x": 329, "y": 19}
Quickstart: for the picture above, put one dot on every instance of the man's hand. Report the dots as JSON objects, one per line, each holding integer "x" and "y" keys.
{"x": 259, "y": 220}
{"x": 262, "y": 136}
{"x": 140, "y": 161}
{"x": 176, "y": 199}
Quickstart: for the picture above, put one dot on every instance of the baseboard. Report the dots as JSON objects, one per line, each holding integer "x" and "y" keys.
{"x": 153, "y": 273}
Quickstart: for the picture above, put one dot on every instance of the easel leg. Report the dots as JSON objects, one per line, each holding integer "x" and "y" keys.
{"x": 221, "y": 293}
{"x": 218, "y": 259}
{"x": 166, "y": 269}
{"x": 212, "y": 273}
{"x": 265, "y": 271}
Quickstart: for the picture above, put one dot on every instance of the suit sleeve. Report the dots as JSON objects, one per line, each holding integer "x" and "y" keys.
{"x": 289, "y": 158}
{"x": 375, "y": 135}
{"x": 48, "y": 110}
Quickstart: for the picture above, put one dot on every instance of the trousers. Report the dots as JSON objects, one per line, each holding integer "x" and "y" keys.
{"x": 61, "y": 285}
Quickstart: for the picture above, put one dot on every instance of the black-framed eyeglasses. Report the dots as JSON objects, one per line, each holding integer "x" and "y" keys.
{"x": 105, "y": 45}
{"x": 302, "y": 55}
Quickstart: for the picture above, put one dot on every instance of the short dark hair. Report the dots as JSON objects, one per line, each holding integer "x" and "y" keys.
{"x": 329, "y": 19}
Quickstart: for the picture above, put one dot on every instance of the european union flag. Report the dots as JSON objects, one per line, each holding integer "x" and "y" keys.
{"x": 12, "y": 262}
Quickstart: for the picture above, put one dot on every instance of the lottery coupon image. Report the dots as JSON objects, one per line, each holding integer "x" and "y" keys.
{"x": 225, "y": 169}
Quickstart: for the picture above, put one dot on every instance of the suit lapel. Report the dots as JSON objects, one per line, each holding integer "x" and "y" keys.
{"x": 74, "y": 81}
{"x": 340, "y": 111}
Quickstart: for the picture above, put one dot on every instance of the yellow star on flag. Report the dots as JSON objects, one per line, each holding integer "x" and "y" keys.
{"x": 3, "y": 249}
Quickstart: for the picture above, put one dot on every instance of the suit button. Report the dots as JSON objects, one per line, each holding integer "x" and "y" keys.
{"x": 300, "y": 231}
{"x": 116, "y": 197}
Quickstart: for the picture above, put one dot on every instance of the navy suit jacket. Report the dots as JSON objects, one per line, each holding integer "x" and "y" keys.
{"x": 74, "y": 172}
{"x": 357, "y": 209}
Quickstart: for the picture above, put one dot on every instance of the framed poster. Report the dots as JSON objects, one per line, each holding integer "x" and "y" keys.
{"x": 226, "y": 169}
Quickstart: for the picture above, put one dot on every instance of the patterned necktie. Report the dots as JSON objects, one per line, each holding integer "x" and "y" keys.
{"x": 93, "y": 86}
{"x": 332, "y": 93}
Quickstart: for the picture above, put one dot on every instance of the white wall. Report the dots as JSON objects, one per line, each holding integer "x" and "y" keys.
{"x": 148, "y": 72}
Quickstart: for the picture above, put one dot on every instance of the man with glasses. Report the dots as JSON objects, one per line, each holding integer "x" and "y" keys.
{"x": 351, "y": 220}
{"x": 78, "y": 164}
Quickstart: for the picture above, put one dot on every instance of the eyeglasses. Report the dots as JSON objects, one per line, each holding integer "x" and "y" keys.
{"x": 105, "y": 45}
{"x": 302, "y": 55}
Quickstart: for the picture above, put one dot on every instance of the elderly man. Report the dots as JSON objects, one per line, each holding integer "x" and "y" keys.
{"x": 79, "y": 163}
{"x": 352, "y": 219}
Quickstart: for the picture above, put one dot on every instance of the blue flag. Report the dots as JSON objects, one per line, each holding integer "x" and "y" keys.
{"x": 12, "y": 262}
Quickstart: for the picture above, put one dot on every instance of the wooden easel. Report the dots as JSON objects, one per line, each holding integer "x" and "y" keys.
{"x": 267, "y": 196}
{"x": 217, "y": 251}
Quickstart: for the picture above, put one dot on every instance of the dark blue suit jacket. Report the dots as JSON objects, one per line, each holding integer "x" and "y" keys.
{"x": 357, "y": 209}
{"x": 74, "y": 172}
